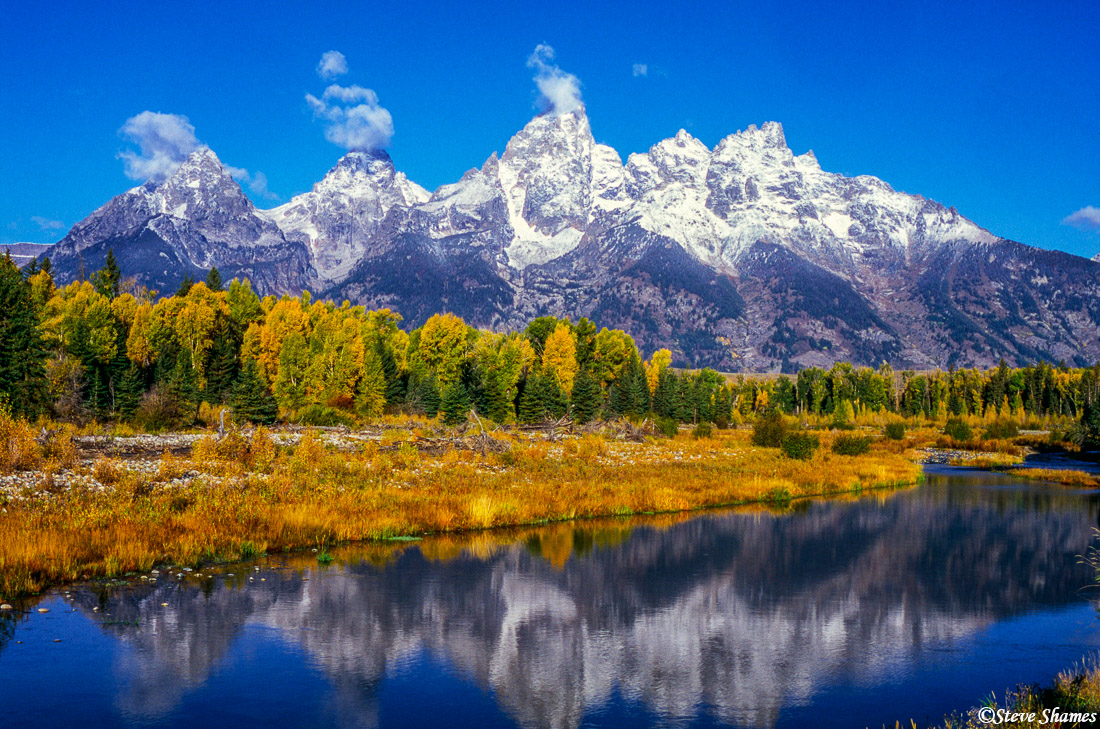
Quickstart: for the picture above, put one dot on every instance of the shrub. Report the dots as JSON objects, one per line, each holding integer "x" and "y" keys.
{"x": 19, "y": 451}
{"x": 769, "y": 431}
{"x": 108, "y": 472}
{"x": 1001, "y": 429}
{"x": 851, "y": 445}
{"x": 324, "y": 416}
{"x": 667, "y": 427}
{"x": 158, "y": 412}
{"x": 722, "y": 422}
{"x": 702, "y": 430}
{"x": 800, "y": 445}
{"x": 958, "y": 429}
{"x": 894, "y": 431}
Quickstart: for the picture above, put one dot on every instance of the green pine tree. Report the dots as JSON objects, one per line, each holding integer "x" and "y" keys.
{"x": 128, "y": 391}
{"x": 639, "y": 391}
{"x": 664, "y": 393}
{"x": 252, "y": 400}
{"x": 423, "y": 395}
{"x": 185, "y": 285}
{"x": 532, "y": 403}
{"x": 455, "y": 403}
{"x": 22, "y": 354}
{"x": 222, "y": 367}
{"x": 214, "y": 279}
{"x": 395, "y": 385}
{"x": 497, "y": 405}
{"x": 557, "y": 402}
{"x": 586, "y": 398}
{"x": 108, "y": 278}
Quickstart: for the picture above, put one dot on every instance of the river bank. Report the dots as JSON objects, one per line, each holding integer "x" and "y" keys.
{"x": 107, "y": 507}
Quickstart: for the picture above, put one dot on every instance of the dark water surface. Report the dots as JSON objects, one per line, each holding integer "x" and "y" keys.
{"x": 843, "y": 613}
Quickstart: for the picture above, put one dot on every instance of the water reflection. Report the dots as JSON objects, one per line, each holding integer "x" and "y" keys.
{"x": 744, "y": 613}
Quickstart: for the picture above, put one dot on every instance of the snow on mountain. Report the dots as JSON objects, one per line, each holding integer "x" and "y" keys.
{"x": 196, "y": 219}
{"x": 744, "y": 255}
{"x": 338, "y": 218}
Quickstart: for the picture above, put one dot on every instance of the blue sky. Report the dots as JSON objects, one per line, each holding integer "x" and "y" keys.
{"x": 991, "y": 107}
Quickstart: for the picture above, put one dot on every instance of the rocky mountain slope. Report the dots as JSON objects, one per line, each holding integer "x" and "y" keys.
{"x": 196, "y": 219}
{"x": 743, "y": 257}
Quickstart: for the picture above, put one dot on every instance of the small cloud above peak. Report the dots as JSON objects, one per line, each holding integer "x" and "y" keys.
{"x": 164, "y": 141}
{"x": 641, "y": 69}
{"x": 559, "y": 92}
{"x": 1087, "y": 218}
{"x": 354, "y": 118}
{"x": 332, "y": 64}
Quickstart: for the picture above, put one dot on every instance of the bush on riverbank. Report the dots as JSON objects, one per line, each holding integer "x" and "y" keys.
{"x": 958, "y": 429}
{"x": 851, "y": 445}
{"x": 894, "y": 431}
{"x": 800, "y": 446}
{"x": 768, "y": 431}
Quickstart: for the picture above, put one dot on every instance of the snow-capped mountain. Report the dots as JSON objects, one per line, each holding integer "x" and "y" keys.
{"x": 744, "y": 256}
{"x": 196, "y": 219}
{"x": 346, "y": 210}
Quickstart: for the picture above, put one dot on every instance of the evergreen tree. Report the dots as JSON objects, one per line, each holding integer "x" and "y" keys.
{"x": 620, "y": 400}
{"x": 533, "y": 400}
{"x": 395, "y": 385}
{"x": 455, "y": 403}
{"x": 586, "y": 398}
{"x": 46, "y": 265}
{"x": 252, "y": 400}
{"x": 108, "y": 278}
{"x": 185, "y": 285}
{"x": 639, "y": 391}
{"x": 557, "y": 402}
{"x": 497, "y": 405}
{"x": 128, "y": 391}
{"x": 664, "y": 395}
{"x": 423, "y": 395}
{"x": 22, "y": 355}
{"x": 214, "y": 279}
{"x": 222, "y": 367}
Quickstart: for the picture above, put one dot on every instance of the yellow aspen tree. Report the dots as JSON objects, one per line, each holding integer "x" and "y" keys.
{"x": 657, "y": 364}
{"x": 138, "y": 347}
{"x": 559, "y": 356}
{"x": 443, "y": 346}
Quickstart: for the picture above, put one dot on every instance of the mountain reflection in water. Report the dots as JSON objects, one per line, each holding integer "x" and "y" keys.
{"x": 735, "y": 615}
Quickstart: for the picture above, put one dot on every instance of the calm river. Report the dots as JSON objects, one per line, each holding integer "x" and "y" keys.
{"x": 843, "y": 613}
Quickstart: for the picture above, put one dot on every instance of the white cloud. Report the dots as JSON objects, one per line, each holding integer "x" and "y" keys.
{"x": 46, "y": 223}
{"x": 1087, "y": 218}
{"x": 255, "y": 181}
{"x": 641, "y": 69}
{"x": 355, "y": 120}
{"x": 163, "y": 140}
{"x": 560, "y": 92}
{"x": 332, "y": 64}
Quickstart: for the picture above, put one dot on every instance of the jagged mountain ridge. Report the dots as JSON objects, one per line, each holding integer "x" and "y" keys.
{"x": 745, "y": 256}
{"x": 198, "y": 218}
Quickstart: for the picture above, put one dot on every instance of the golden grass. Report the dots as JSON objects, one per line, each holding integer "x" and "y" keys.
{"x": 257, "y": 496}
{"x": 1065, "y": 477}
{"x": 991, "y": 461}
